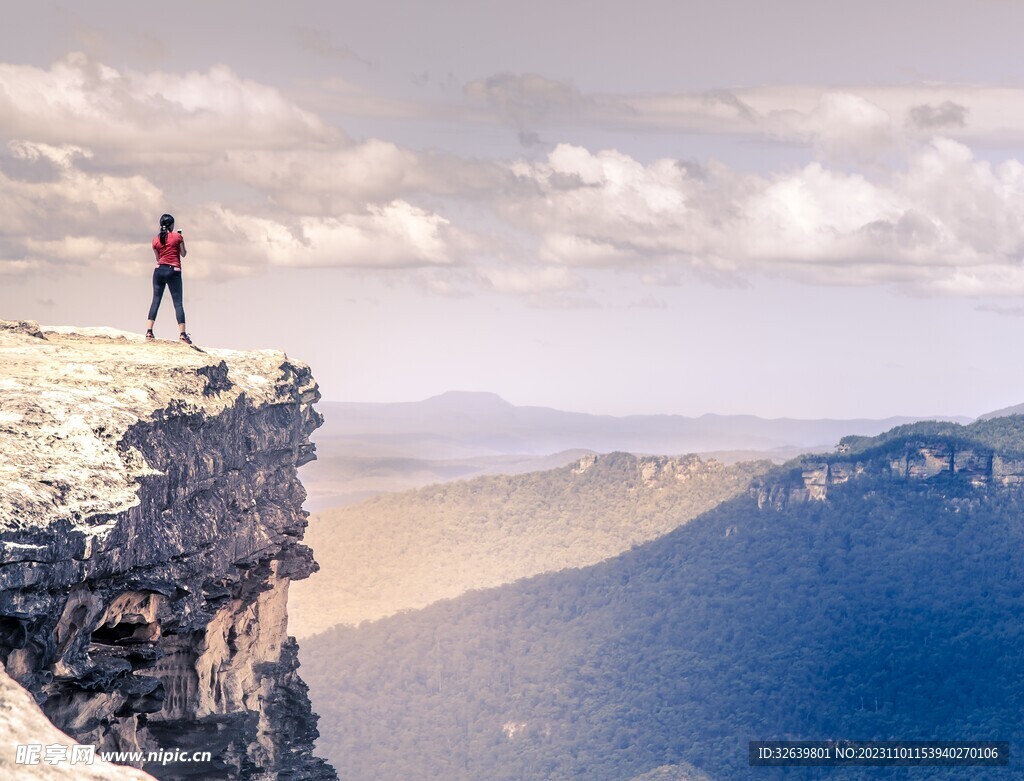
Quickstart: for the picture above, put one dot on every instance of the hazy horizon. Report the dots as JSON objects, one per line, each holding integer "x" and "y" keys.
{"x": 500, "y": 397}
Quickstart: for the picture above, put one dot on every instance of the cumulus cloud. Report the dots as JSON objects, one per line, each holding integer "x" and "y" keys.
{"x": 307, "y": 195}
{"x": 843, "y": 124}
{"x": 88, "y": 104}
{"x": 61, "y": 156}
{"x": 93, "y": 214}
{"x": 393, "y": 235}
{"x": 322, "y": 180}
{"x": 947, "y": 223}
{"x": 84, "y": 218}
{"x": 94, "y": 154}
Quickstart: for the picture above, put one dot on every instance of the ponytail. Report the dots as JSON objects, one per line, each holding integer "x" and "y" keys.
{"x": 166, "y": 223}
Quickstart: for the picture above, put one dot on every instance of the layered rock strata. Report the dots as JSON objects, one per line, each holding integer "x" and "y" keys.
{"x": 904, "y": 460}
{"x": 150, "y": 523}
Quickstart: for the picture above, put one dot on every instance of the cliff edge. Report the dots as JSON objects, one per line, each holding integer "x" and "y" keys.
{"x": 150, "y": 523}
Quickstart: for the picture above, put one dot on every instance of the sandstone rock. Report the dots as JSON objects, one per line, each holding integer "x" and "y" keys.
{"x": 150, "y": 523}
{"x": 584, "y": 464}
{"x": 925, "y": 461}
{"x": 1007, "y": 471}
{"x": 22, "y": 723}
{"x": 914, "y": 460}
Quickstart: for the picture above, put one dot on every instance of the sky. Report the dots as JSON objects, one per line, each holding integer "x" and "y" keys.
{"x": 791, "y": 209}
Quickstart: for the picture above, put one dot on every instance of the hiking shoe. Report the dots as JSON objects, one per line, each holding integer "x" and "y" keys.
{"x": 185, "y": 338}
{"x": 149, "y": 335}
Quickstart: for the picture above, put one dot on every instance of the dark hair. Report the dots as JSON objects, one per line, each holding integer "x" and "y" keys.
{"x": 166, "y": 223}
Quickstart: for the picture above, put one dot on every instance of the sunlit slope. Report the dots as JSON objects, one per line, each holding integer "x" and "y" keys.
{"x": 882, "y": 600}
{"x": 404, "y": 551}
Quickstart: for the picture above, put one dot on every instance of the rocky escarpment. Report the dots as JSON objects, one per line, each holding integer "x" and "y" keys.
{"x": 150, "y": 523}
{"x": 908, "y": 457}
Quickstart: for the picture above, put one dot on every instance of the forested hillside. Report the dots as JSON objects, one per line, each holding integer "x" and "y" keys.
{"x": 679, "y": 772}
{"x": 404, "y": 551}
{"x": 890, "y": 610}
{"x": 1002, "y": 434}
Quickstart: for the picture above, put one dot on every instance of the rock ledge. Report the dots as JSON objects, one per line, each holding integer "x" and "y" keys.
{"x": 150, "y": 523}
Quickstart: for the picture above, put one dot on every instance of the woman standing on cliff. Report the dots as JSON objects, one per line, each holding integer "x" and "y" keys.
{"x": 169, "y": 249}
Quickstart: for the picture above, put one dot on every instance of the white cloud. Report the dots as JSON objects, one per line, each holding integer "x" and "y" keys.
{"x": 319, "y": 198}
{"x": 88, "y": 218}
{"x": 85, "y": 103}
{"x": 844, "y": 123}
{"x": 948, "y": 222}
{"x": 14, "y": 268}
{"x": 327, "y": 180}
{"x": 388, "y": 236}
{"x": 61, "y": 156}
{"x": 69, "y": 215}
{"x": 270, "y": 184}
{"x": 857, "y": 121}
{"x": 572, "y": 249}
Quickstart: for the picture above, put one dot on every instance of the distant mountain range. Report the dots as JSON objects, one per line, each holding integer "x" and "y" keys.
{"x": 462, "y": 424}
{"x": 368, "y": 449}
{"x": 1016, "y": 409}
{"x": 873, "y": 593}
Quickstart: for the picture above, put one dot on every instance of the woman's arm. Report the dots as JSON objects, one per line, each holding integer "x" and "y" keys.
{"x": 184, "y": 251}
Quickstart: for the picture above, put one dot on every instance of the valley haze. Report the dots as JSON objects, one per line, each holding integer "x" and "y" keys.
{"x": 366, "y": 448}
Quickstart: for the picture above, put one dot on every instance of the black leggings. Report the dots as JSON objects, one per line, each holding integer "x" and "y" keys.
{"x": 170, "y": 276}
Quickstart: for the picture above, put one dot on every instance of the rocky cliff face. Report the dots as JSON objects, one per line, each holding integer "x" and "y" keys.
{"x": 909, "y": 459}
{"x": 150, "y": 523}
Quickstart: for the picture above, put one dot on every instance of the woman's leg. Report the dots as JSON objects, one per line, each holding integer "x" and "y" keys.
{"x": 174, "y": 283}
{"x": 158, "y": 293}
